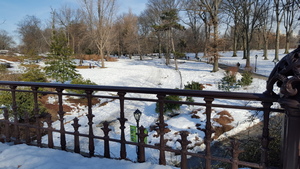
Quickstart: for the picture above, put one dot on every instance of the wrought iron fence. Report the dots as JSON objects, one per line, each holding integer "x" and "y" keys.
{"x": 21, "y": 129}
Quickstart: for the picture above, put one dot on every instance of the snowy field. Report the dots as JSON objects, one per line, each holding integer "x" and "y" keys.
{"x": 150, "y": 72}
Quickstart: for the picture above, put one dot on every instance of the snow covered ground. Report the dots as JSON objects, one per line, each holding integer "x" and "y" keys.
{"x": 150, "y": 72}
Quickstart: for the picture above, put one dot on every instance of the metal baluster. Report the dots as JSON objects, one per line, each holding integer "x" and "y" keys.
{"x": 61, "y": 119}
{"x": 76, "y": 126}
{"x": 265, "y": 140}
{"x": 50, "y": 134}
{"x": 106, "y": 130}
{"x": 27, "y": 132}
{"x": 161, "y": 124}
{"x": 7, "y": 129}
{"x": 37, "y": 116}
{"x": 122, "y": 120}
{"x": 142, "y": 135}
{"x": 184, "y": 143}
{"x": 90, "y": 117}
{"x": 15, "y": 113}
{"x": 208, "y": 132}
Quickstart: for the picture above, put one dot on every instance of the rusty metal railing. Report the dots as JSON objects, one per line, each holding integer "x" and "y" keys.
{"x": 12, "y": 130}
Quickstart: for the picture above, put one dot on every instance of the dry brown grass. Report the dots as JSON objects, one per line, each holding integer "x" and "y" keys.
{"x": 224, "y": 120}
{"x": 4, "y": 76}
{"x": 96, "y": 57}
{"x": 11, "y": 58}
{"x": 30, "y": 65}
{"x": 232, "y": 70}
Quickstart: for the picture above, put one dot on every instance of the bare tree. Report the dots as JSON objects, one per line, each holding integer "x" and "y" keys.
{"x": 267, "y": 25}
{"x": 72, "y": 22}
{"x": 278, "y": 7}
{"x": 157, "y": 10}
{"x": 194, "y": 22}
{"x": 251, "y": 13}
{"x": 6, "y": 41}
{"x": 212, "y": 8}
{"x": 169, "y": 22}
{"x": 289, "y": 17}
{"x": 31, "y": 36}
{"x": 127, "y": 31}
{"x": 147, "y": 36}
{"x": 233, "y": 9}
{"x": 100, "y": 15}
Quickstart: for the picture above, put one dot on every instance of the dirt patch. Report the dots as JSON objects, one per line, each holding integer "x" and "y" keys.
{"x": 53, "y": 108}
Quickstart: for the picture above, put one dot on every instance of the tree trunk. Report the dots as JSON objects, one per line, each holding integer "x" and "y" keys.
{"x": 102, "y": 58}
{"x": 266, "y": 45}
{"x": 206, "y": 39}
{"x": 234, "y": 46}
{"x": 215, "y": 47}
{"x": 276, "y": 58}
{"x": 244, "y": 48}
{"x": 266, "y": 49}
{"x": 287, "y": 43}
{"x": 173, "y": 50}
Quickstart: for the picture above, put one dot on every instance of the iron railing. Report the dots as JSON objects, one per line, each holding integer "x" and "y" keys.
{"x": 13, "y": 130}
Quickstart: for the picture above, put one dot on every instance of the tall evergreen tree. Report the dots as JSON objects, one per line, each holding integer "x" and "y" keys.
{"x": 60, "y": 65}
{"x": 170, "y": 21}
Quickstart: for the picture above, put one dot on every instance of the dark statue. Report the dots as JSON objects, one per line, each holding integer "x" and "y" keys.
{"x": 287, "y": 76}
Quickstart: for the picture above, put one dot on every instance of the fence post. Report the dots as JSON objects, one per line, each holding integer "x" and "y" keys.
{"x": 265, "y": 140}
{"x": 184, "y": 144}
{"x": 287, "y": 76}
{"x": 162, "y": 125}
{"x": 61, "y": 118}
{"x": 76, "y": 126}
{"x": 141, "y": 144}
{"x": 122, "y": 121}
{"x": 291, "y": 138}
{"x": 208, "y": 132}
{"x": 6, "y": 124}
{"x": 49, "y": 131}
{"x": 235, "y": 152}
{"x": 90, "y": 117}
{"x": 26, "y": 128}
{"x": 106, "y": 131}
{"x": 37, "y": 116}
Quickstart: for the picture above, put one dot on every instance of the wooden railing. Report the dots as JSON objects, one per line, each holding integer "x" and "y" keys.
{"x": 29, "y": 132}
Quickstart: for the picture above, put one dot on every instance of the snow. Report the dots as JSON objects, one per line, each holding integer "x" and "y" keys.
{"x": 150, "y": 72}
{"x": 29, "y": 157}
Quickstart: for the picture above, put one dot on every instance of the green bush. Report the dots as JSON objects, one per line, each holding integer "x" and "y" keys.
{"x": 246, "y": 79}
{"x": 3, "y": 68}
{"x": 228, "y": 81}
{"x": 24, "y": 101}
{"x": 170, "y": 108}
{"x": 193, "y": 86}
{"x": 81, "y": 81}
{"x": 33, "y": 75}
{"x": 179, "y": 55}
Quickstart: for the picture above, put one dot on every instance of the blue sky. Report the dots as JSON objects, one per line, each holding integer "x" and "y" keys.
{"x": 13, "y": 11}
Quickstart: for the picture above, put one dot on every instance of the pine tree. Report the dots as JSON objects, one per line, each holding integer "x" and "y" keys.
{"x": 60, "y": 65}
